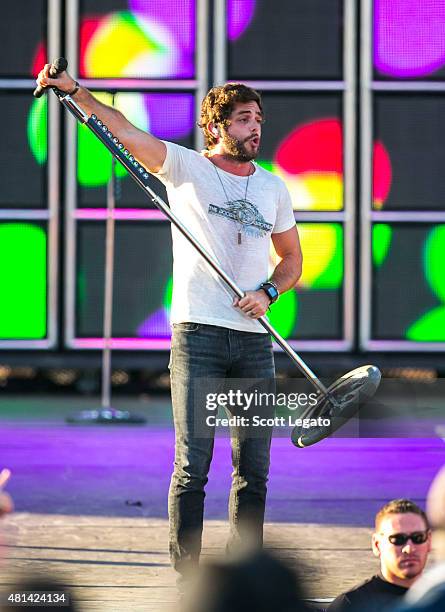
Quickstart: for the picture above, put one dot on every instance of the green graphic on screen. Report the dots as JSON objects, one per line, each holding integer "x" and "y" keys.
{"x": 431, "y": 325}
{"x": 37, "y": 129}
{"x": 323, "y": 254}
{"x": 23, "y": 289}
{"x": 90, "y": 148}
{"x": 283, "y": 314}
{"x": 381, "y": 242}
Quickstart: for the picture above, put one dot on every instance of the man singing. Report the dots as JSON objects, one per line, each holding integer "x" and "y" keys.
{"x": 234, "y": 208}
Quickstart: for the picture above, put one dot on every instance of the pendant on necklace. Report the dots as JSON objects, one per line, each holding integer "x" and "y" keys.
{"x": 239, "y": 236}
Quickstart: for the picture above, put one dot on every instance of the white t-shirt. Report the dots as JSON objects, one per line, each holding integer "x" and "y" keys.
{"x": 197, "y": 198}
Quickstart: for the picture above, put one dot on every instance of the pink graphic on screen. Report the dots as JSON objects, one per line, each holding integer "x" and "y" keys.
{"x": 310, "y": 160}
{"x": 179, "y": 17}
{"x": 382, "y": 175}
{"x": 409, "y": 37}
{"x": 39, "y": 59}
{"x": 239, "y": 16}
{"x": 150, "y": 39}
{"x": 314, "y": 146}
{"x": 156, "y": 325}
{"x": 171, "y": 115}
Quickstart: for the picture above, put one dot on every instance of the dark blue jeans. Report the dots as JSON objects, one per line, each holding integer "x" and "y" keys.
{"x": 206, "y": 351}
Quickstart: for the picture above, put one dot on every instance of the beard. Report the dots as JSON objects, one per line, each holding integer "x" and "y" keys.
{"x": 236, "y": 150}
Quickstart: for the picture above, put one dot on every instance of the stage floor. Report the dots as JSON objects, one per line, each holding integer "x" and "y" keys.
{"x": 91, "y": 502}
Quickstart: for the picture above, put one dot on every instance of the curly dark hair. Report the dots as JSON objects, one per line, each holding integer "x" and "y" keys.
{"x": 219, "y": 103}
{"x": 399, "y": 506}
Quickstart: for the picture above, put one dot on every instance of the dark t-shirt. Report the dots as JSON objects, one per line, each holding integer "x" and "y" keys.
{"x": 369, "y": 596}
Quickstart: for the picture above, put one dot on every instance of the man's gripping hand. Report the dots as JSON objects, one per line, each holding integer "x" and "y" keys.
{"x": 64, "y": 81}
{"x": 254, "y": 303}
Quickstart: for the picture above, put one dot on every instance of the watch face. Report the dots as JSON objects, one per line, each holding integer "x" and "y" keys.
{"x": 273, "y": 292}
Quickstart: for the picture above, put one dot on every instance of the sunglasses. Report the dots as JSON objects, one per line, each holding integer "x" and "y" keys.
{"x": 416, "y": 537}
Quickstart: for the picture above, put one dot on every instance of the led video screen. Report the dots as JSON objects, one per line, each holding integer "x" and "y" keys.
{"x": 408, "y": 41}
{"x": 409, "y": 135}
{"x": 285, "y": 40}
{"x": 408, "y": 288}
{"x": 169, "y": 116}
{"x": 302, "y": 142}
{"x": 142, "y": 279}
{"x": 23, "y": 34}
{"x": 143, "y": 282}
{"x": 23, "y": 150}
{"x": 23, "y": 290}
{"x": 314, "y": 310}
{"x": 139, "y": 39}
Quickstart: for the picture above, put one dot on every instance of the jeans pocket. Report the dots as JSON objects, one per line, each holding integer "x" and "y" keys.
{"x": 187, "y": 326}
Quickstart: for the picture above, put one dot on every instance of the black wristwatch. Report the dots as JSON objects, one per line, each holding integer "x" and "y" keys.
{"x": 271, "y": 291}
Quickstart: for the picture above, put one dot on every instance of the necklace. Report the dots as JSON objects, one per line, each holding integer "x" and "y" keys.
{"x": 228, "y": 201}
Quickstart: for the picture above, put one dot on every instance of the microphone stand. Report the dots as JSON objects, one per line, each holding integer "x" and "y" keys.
{"x": 107, "y": 414}
{"x": 341, "y": 399}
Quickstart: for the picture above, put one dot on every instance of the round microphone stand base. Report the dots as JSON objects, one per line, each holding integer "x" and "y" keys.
{"x": 105, "y": 416}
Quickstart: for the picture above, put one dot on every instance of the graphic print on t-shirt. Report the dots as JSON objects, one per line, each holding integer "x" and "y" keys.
{"x": 245, "y": 214}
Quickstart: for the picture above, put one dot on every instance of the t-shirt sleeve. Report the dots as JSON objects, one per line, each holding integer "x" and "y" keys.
{"x": 285, "y": 215}
{"x": 174, "y": 170}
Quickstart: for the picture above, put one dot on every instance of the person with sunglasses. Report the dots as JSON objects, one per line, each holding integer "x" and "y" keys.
{"x": 402, "y": 542}
{"x": 428, "y": 594}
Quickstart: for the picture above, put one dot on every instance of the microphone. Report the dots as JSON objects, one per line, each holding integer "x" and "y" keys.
{"x": 59, "y": 65}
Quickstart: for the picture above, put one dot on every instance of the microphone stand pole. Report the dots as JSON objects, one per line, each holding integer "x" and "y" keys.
{"x": 107, "y": 414}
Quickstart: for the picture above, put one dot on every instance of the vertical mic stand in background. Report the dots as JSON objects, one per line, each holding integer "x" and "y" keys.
{"x": 107, "y": 414}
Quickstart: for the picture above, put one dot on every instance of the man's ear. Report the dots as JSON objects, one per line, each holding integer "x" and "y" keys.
{"x": 376, "y": 544}
{"x": 213, "y": 129}
{"x": 430, "y": 543}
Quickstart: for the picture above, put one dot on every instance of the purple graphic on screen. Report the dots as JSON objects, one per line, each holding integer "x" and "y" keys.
{"x": 239, "y": 16}
{"x": 157, "y": 325}
{"x": 409, "y": 37}
{"x": 171, "y": 115}
{"x": 179, "y": 17}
